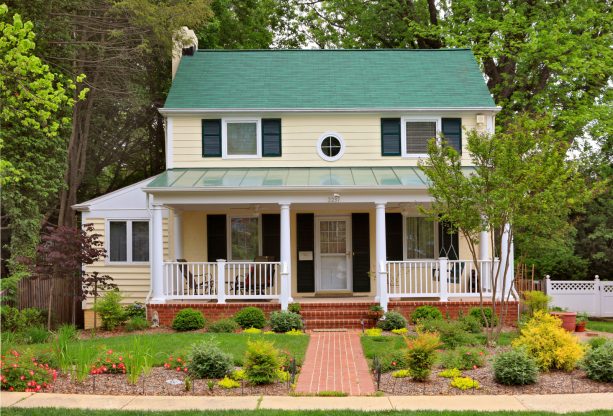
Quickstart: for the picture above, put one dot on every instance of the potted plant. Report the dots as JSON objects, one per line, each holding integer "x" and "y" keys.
{"x": 582, "y": 319}
{"x": 375, "y": 312}
{"x": 569, "y": 319}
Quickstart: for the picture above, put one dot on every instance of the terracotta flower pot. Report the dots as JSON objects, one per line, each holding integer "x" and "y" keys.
{"x": 569, "y": 319}
{"x": 580, "y": 327}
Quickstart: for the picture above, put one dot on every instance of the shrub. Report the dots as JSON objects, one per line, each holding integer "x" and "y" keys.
{"x": 426, "y": 312}
{"x": 261, "y": 362}
{"x": 401, "y": 374}
{"x": 188, "y": 319}
{"x": 515, "y": 368}
{"x": 252, "y": 331}
{"x": 598, "y": 362}
{"x": 250, "y": 317}
{"x": 207, "y": 360}
{"x": 401, "y": 331}
{"x": 283, "y": 321}
{"x": 421, "y": 355}
{"x": 452, "y": 333}
{"x": 110, "y": 310}
{"x": 108, "y": 362}
{"x": 294, "y": 307}
{"x": 392, "y": 320}
{"x": 135, "y": 310}
{"x": 394, "y": 360}
{"x": 535, "y": 300}
{"x": 450, "y": 373}
{"x": 228, "y": 383}
{"x": 17, "y": 320}
{"x": 294, "y": 332}
{"x": 238, "y": 375}
{"x": 465, "y": 383}
{"x": 596, "y": 342}
{"x": 463, "y": 358}
{"x": 136, "y": 323}
{"x": 471, "y": 324}
{"x": 548, "y": 343}
{"x": 223, "y": 326}
{"x": 491, "y": 321}
{"x": 176, "y": 363}
{"x": 36, "y": 334}
{"x": 22, "y": 373}
{"x": 373, "y": 332}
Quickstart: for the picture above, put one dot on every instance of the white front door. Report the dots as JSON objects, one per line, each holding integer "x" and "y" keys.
{"x": 333, "y": 253}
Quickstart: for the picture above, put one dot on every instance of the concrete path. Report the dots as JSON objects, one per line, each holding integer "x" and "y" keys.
{"x": 559, "y": 403}
{"x": 334, "y": 361}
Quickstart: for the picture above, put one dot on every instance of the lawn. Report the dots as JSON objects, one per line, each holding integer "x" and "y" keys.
{"x": 603, "y": 326}
{"x": 164, "y": 345}
{"x": 77, "y": 412}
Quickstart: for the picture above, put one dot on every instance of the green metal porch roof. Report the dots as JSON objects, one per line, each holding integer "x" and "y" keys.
{"x": 287, "y": 178}
{"x": 313, "y": 79}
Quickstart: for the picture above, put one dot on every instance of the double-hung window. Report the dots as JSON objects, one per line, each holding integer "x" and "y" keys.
{"x": 244, "y": 238}
{"x": 420, "y": 238}
{"x": 416, "y": 133}
{"x": 128, "y": 241}
{"x": 241, "y": 138}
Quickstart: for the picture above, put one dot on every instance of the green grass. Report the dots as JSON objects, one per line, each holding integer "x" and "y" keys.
{"x": 603, "y": 326}
{"x": 380, "y": 346}
{"x": 175, "y": 344}
{"x": 78, "y": 412}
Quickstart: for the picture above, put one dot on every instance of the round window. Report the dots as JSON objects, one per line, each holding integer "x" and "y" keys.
{"x": 330, "y": 147}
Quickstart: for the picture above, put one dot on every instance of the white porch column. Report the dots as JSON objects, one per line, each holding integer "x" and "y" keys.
{"x": 484, "y": 255}
{"x": 178, "y": 234}
{"x": 443, "y": 264}
{"x": 286, "y": 256}
{"x": 381, "y": 255}
{"x": 504, "y": 248}
{"x": 157, "y": 255}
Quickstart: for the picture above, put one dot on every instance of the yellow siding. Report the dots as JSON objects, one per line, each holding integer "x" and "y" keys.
{"x": 133, "y": 280}
{"x": 194, "y": 236}
{"x": 300, "y": 133}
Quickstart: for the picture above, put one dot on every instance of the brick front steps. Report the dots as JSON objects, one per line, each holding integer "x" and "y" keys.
{"x": 325, "y": 314}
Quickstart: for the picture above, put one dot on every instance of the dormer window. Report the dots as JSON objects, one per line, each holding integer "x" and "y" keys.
{"x": 241, "y": 138}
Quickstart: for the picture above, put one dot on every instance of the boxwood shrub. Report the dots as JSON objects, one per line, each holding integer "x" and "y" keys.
{"x": 188, "y": 319}
{"x": 598, "y": 362}
{"x": 227, "y": 325}
{"x": 392, "y": 320}
{"x": 250, "y": 317}
{"x": 207, "y": 360}
{"x": 284, "y": 321}
{"x": 515, "y": 368}
{"x": 426, "y": 312}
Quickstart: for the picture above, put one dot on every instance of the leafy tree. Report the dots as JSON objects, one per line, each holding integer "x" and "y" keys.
{"x": 521, "y": 178}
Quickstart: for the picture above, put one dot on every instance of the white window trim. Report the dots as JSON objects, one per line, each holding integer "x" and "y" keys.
{"x": 229, "y": 234}
{"x": 404, "y": 237}
{"x": 340, "y": 152}
{"x": 403, "y": 133}
{"x": 224, "y": 137}
{"x": 107, "y": 241}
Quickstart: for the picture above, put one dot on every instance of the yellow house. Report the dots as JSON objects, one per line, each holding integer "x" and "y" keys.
{"x": 291, "y": 175}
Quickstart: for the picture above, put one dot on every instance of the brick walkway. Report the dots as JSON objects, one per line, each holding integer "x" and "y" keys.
{"x": 335, "y": 362}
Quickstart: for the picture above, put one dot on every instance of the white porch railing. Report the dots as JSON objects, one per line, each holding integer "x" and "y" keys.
{"x": 222, "y": 280}
{"x": 422, "y": 278}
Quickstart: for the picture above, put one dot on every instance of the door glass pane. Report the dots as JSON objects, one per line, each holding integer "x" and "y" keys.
{"x": 140, "y": 241}
{"x": 333, "y": 272}
{"x": 118, "y": 246}
{"x": 420, "y": 238}
{"x": 244, "y": 238}
{"x": 419, "y": 134}
{"x": 333, "y": 237}
{"x": 241, "y": 139}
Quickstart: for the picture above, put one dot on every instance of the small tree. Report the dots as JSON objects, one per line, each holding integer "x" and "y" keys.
{"x": 63, "y": 253}
{"x": 522, "y": 180}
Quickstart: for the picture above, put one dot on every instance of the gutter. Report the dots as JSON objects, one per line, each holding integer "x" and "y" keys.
{"x": 170, "y": 111}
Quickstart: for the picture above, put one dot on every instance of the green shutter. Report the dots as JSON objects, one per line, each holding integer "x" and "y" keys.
{"x": 393, "y": 236}
{"x": 271, "y": 137}
{"x": 211, "y": 138}
{"x": 452, "y": 133}
{"x": 216, "y": 237}
{"x": 360, "y": 243}
{"x": 305, "y": 241}
{"x": 390, "y": 137}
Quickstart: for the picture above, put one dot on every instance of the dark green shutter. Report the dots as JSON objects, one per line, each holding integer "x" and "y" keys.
{"x": 390, "y": 137}
{"x": 216, "y": 238}
{"x": 305, "y": 224}
{"x": 211, "y": 138}
{"x": 393, "y": 236}
{"x": 360, "y": 241}
{"x": 452, "y": 133}
{"x": 271, "y": 235}
{"x": 271, "y": 137}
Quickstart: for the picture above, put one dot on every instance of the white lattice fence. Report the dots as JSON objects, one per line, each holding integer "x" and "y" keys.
{"x": 592, "y": 297}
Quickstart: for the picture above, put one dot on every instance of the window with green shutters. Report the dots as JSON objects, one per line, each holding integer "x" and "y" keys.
{"x": 235, "y": 138}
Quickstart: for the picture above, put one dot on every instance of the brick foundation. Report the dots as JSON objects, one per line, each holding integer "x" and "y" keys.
{"x": 211, "y": 311}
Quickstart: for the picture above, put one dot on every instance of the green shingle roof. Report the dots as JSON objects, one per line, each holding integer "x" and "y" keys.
{"x": 329, "y": 79}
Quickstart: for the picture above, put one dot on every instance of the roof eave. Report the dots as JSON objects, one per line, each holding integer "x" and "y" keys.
{"x": 189, "y": 111}
{"x": 286, "y": 188}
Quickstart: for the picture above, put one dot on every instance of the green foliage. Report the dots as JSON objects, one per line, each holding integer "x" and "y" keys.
{"x": 450, "y": 373}
{"x": 425, "y": 312}
{"x": 392, "y": 320}
{"x": 252, "y": 331}
{"x": 401, "y": 331}
{"x": 598, "y": 362}
{"x": 21, "y": 373}
{"x": 137, "y": 323}
{"x": 373, "y": 332}
{"x": 250, "y": 317}
{"x": 188, "y": 319}
{"x": 535, "y": 300}
{"x": 452, "y": 333}
{"x": 228, "y": 383}
{"x": 471, "y": 324}
{"x": 401, "y": 374}
{"x": 284, "y": 321}
{"x": 421, "y": 355}
{"x": 515, "y": 368}
{"x": 135, "y": 310}
{"x": 465, "y": 383}
{"x": 36, "y": 334}
{"x": 463, "y": 358}
{"x": 295, "y": 332}
{"x": 139, "y": 361}
{"x": 227, "y": 325}
{"x": 393, "y": 360}
{"x": 262, "y": 362}
{"x": 488, "y": 321}
{"x": 596, "y": 342}
{"x": 110, "y": 310}
{"x": 294, "y": 307}
{"x": 207, "y": 360}
{"x": 17, "y": 320}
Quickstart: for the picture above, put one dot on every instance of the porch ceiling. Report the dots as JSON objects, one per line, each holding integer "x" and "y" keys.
{"x": 405, "y": 177}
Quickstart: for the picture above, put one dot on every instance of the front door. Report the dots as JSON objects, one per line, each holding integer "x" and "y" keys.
{"x": 333, "y": 253}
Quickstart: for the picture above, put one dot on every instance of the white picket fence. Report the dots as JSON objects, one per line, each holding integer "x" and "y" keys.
{"x": 594, "y": 297}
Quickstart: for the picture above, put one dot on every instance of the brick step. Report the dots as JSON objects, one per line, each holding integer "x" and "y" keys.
{"x": 335, "y": 314}
{"x": 364, "y": 306}
{"x": 336, "y": 323}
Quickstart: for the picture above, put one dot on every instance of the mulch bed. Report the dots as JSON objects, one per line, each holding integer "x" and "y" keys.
{"x": 155, "y": 385}
{"x": 554, "y": 382}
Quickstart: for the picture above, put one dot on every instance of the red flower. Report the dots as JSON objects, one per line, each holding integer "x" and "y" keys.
{"x": 474, "y": 367}
{"x": 109, "y": 352}
{"x": 394, "y": 363}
